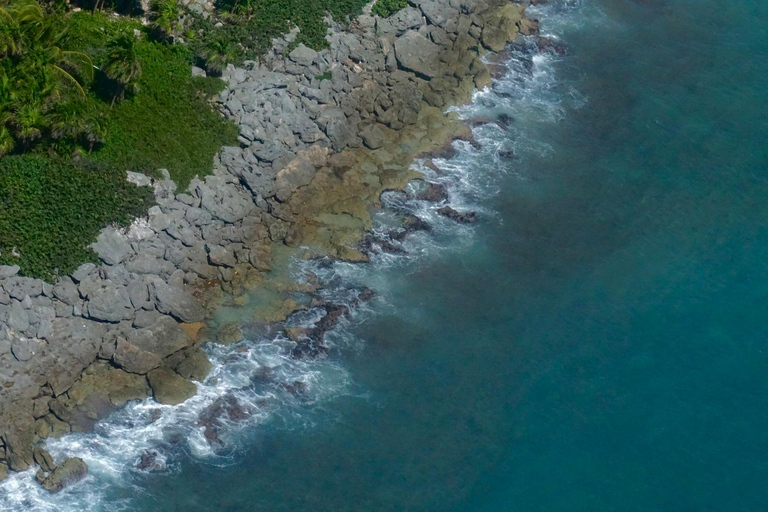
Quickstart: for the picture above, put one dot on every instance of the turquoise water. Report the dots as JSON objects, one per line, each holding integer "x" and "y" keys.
{"x": 601, "y": 344}
{"x": 597, "y": 342}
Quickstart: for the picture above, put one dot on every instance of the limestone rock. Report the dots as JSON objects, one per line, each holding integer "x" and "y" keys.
{"x": 416, "y": 53}
{"x": 229, "y": 334}
{"x": 143, "y": 349}
{"x": 193, "y": 364}
{"x": 43, "y": 459}
{"x": 170, "y": 388}
{"x": 67, "y": 473}
{"x": 176, "y": 302}
{"x": 109, "y": 302}
{"x": 111, "y": 246}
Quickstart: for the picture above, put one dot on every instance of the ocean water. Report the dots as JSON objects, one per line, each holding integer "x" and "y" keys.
{"x": 598, "y": 341}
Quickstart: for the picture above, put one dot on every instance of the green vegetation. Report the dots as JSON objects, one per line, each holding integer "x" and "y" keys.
{"x": 42, "y": 83}
{"x": 50, "y": 210}
{"x": 82, "y": 100}
{"x": 324, "y": 76}
{"x": 168, "y": 124}
{"x": 250, "y": 25}
{"x": 386, "y": 8}
{"x": 85, "y": 96}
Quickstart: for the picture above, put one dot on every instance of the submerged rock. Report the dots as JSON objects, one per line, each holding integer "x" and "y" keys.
{"x": 214, "y": 417}
{"x": 151, "y": 461}
{"x": 461, "y": 218}
{"x": 229, "y": 334}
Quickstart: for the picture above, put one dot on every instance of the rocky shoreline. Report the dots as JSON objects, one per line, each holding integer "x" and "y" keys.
{"x": 322, "y": 136}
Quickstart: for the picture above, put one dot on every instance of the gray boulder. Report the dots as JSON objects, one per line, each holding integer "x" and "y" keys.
{"x": 19, "y": 287}
{"x": 170, "y": 388}
{"x": 176, "y": 302}
{"x": 302, "y": 55}
{"x": 142, "y": 350}
{"x": 66, "y": 291}
{"x": 7, "y": 271}
{"x": 373, "y": 137}
{"x": 416, "y": 53}
{"x": 109, "y": 302}
{"x": 111, "y": 246}
{"x": 83, "y": 271}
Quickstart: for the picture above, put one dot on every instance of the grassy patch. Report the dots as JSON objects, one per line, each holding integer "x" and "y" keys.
{"x": 324, "y": 76}
{"x": 250, "y": 25}
{"x": 51, "y": 210}
{"x": 169, "y": 123}
{"x": 386, "y": 8}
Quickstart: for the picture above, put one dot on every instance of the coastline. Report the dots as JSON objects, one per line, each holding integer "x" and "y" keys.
{"x": 133, "y": 326}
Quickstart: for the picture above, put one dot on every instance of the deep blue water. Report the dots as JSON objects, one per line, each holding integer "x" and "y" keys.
{"x": 598, "y": 342}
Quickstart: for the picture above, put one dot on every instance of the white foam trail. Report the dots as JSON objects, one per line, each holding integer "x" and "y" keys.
{"x": 530, "y": 94}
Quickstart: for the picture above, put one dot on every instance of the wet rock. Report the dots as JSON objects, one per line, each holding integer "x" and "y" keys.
{"x": 551, "y": 46}
{"x": 434, "y": 193}
{"x": 224, "y": 409}
{"x": 170, "y": 388}
{"x": 461, "y": 218}
{"x": 297, "y": 388}
{"x": 3, "y": 471}
{"x": 312, "y": 344}
{"x": 44, "y": 459}
{"x": 151, "y": 461}
{"x": 229, "y": 334}
{"x": 142, "y": 350}
{"x": 67, "y": 473}
{"x": 373, "y": 137}
{"x": 411, "y": 224}
{"x": 192, "y": 364}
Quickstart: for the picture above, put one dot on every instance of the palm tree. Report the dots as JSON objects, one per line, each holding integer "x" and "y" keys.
{"x": 36, "y": 73}
{"x": 24, "y": 29}
{"x": 123, "y": 64}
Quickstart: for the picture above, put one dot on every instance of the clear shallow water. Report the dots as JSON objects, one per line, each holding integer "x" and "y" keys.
{"x": 597, "y": 342}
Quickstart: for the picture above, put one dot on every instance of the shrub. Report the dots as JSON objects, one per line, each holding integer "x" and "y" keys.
{"x": 386, "y": 8}
{"x": 51, "y": 210}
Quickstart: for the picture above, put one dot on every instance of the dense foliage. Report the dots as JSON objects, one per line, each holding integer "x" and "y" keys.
{"x": 386, "y": 8}
{"x": 84, "y": 87}
{"x": 169, "y": 124}
{"x": 42, "y": 83}
{"x": 51, "y": 210}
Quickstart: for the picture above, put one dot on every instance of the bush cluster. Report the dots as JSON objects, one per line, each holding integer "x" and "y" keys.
{"x": 386, "y": 8}
{"x": 169, "y": 124}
